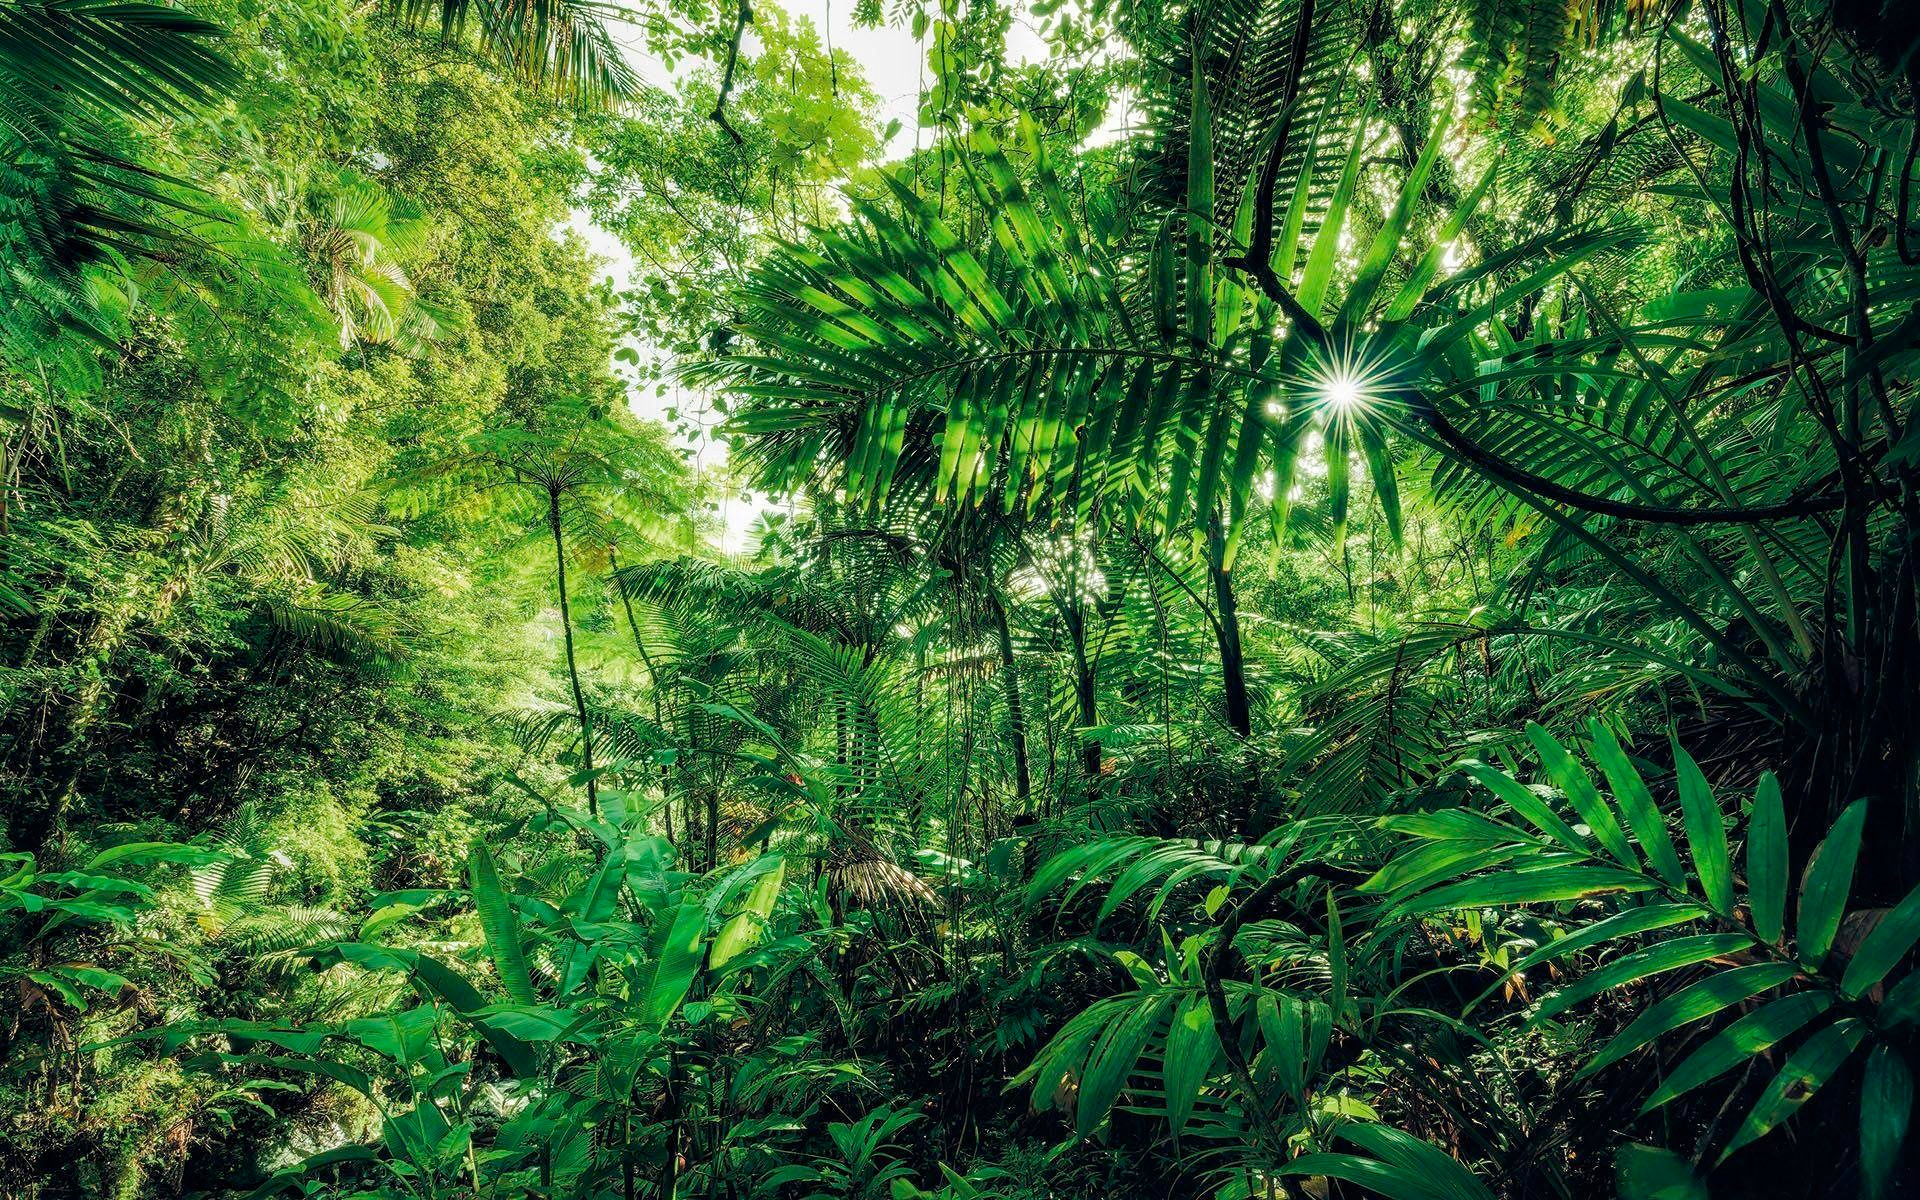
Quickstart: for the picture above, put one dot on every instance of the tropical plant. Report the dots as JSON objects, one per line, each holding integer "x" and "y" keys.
{"x": 1722, "y": 961}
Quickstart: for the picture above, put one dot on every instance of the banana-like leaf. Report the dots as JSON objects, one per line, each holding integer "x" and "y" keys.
{"x": 499, "y": 924}
{"x": 749, "y": 922}
{"x": 676, "y": 953}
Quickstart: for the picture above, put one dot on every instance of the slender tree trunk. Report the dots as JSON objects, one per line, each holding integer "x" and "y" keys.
{"x": 1016, "y": 716}
{"x": 1233, "y": 667}
{"x": 653, "y": 679}
{"x": 713, "y": 828}
{"x": 573, "y": 667}
{"x": 1084, "y": 691}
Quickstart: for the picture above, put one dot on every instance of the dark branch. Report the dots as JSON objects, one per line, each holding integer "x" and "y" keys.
{"x": 719, "y": 113}
{"x": 1258, "y": 260}
{"x": 1463, "y": 445}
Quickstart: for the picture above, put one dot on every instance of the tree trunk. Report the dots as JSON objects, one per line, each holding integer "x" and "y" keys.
{"x": 1016, "y": 716}
{"x": 573, "y": 667}
{"x": 1084, "y": 691}
{"x": 1233, "y": 667}
{"x": 653, "y": 681}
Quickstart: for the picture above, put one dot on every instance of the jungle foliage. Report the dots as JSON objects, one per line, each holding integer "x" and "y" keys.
{"x": 1330, "y": 607}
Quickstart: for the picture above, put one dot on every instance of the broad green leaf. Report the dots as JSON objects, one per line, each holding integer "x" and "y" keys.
{"x": 1386, "y": 240}
{"x": 1192, "y": 1045}
{"x": 1421, "y": 277}
{"x": 1532, "y": 808}
{"x": 1296, "y": 1032}
{"x": 1167, "y": 282}
{"x": 1571, "y": 778}
{"x": 1706, "y": 833}
{"x": 1286, "y": 244}
{"x": 407, "y": 1037}
{"x": 1444, "y": 1177}
{"x": 1622, "y": 924}
{"x": 1695, "y": 1002}
{"x": 1374, "y": 447}
{"x": 320, "y": 1068}
{"x": 1138, "y": 967}
{"x": 529, "y": 1023}
{"x": 676, "y": 948}
{"x": 1806, "y": 1071}
{"x": 1767, "y": 861}
{"x": 1636, "y": 804}
{"x": 500, "y": 925}
{"x": 1641, "y": 964}
{"x": 1338, "y": 439}
{"x": 435, "y": 980}
{"x": 1112, "y": 1061}
{"x": 1826, "y": 884}
{"x": 1902, "y": 1005}
{"x": 1652, "y": 1173}
{"x": 1199, "y": 255}
{"x": 310, "y": 1167}
{"x": 1895, "y": 934}
{"x": 1336, "y": 958}
{"x": 1395, "y": 1165}
{"x": 749, "y": 921}
{"x": 1752, "y": 1034}
{"x": 1454, "y": 824}
{"x": 1530, "y": 885}
{"x": 1318, "y": 275}
{"x": 145, "y": 852}
{"x": 1886, "y": 1109}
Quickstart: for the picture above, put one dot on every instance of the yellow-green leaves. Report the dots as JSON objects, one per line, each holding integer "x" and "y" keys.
{"x": 1386, "y": 240}
{"x": 1199, "y": 245}
{"x": 748, "y": 924}
{"x": 1318, "y": 277}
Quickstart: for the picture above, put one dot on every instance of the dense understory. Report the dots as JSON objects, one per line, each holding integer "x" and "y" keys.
{"x": 1300, "y": 598}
